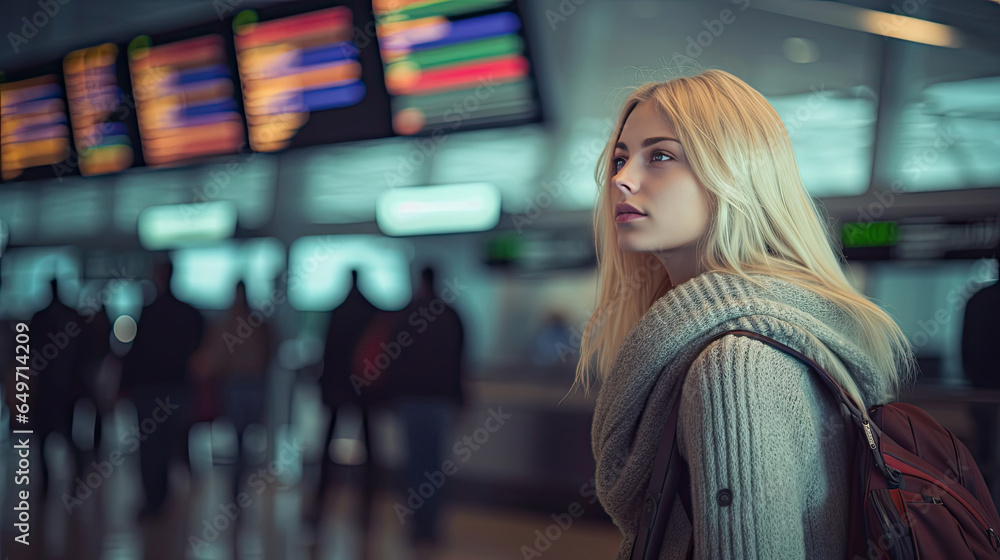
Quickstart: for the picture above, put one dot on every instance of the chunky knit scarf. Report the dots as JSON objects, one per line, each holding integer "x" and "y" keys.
{"x": 634, "y": 401}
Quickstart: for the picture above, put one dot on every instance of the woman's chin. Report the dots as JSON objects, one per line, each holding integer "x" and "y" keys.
{"x": 629, "y": 245}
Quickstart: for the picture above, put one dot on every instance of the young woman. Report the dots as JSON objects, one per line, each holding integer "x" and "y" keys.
{"x": 702, "y": 226}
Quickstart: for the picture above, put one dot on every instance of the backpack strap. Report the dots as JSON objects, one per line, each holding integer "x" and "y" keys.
{"x": 861, "y": 419}
{"x": 668, "y": 469}
{"x": 669, "y": 478}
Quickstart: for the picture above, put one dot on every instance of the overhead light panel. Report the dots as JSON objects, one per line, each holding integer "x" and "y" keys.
{"x": 869, "y": 21}
{"x": 455, "y": 208}
{"x": 177, "y": 225}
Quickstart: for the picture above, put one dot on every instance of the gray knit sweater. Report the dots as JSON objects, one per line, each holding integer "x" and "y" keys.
{"x": 765, "y": 443}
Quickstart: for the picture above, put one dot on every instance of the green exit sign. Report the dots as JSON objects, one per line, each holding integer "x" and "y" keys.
{"x": 869, "y": 234}
{"x": 504, "y": 248}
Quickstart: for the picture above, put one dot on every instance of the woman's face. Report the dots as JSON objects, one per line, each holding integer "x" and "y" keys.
{"x": 652, "y": 175}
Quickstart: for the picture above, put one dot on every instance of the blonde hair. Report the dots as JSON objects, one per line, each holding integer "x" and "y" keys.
{"x": 762, "y": 222}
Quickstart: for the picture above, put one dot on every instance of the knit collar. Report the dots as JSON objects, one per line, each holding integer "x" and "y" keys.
{"x": 634, "y": 400}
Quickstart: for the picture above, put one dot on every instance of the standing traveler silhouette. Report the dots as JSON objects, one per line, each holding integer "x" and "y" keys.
{"x": 979, "y": 362}
{"x": 425, "y": 384}
{"x": 155, "y": 377}
{"x": 55, "y": 352}
{"x": 232, "y": 366}
{"x": 347, "y": 324}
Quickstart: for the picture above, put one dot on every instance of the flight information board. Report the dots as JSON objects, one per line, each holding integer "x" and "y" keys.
{"x": 186, "y": 98}
{"x": 305, "y": 78}
{"x": 453, "y": 64}
{"x": 283, "y": 76}
{"x": 101, "y": 117}
{"x": 35, "y": 134}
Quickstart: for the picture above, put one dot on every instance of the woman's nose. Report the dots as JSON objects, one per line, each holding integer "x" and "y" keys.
{"x": 625, "y": 182}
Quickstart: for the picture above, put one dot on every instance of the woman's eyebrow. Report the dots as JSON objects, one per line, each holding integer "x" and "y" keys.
{"x": 648, "y": 142}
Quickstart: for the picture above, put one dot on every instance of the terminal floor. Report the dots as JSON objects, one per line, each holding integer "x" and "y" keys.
{"x": 194, "y": 525}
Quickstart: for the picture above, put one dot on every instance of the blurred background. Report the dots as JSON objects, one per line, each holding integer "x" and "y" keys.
{"x": 307, "y": 279}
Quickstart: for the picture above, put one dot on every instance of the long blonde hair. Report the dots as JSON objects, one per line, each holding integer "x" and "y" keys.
{"x": 763, "y": 222}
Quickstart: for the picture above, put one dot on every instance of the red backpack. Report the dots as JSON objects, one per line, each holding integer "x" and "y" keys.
{"x": 916, "y": 491}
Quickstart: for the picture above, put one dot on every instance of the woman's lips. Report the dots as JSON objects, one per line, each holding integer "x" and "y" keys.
{"x": 628, "y": 217}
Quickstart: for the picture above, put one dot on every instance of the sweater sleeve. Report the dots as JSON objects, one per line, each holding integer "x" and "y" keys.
{"x": 737, "y": 431}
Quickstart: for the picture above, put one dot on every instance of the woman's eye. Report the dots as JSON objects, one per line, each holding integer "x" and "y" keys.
{"x": 618, "y": 163}
{"x": 664, "y": 154}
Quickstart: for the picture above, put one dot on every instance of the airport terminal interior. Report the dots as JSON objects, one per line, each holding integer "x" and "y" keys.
{"x": 226, "y": 226}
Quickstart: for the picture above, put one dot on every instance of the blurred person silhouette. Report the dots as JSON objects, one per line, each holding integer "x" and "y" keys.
{"x": 232, "y": 364}
{"x": 553, "y": 343}
{"x": 206, "y": 386}
{"x": 55, "y": 353}
{"x": 348, "y": 322}
{"x": 981, "y": 364}
{"x": 95, "y": 350}
{"x": 155, "y": 376}
{"x": 424, "y": 384}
